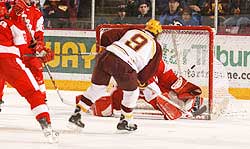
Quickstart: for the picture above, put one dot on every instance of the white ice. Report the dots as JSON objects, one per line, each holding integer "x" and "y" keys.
{"x": 19, "y": 130}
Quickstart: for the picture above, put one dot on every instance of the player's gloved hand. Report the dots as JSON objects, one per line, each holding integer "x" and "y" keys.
{"x": 47, "y": 55}
{"x": 185, "y": 90}
{"x": 19, "y": 7}
{"x": 37, "y": 46}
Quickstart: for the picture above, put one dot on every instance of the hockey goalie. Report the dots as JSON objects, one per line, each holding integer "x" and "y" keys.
{"x": 165, "y": 82}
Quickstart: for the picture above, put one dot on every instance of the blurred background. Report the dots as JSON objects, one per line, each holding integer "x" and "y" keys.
{"x": 226, "y": 16}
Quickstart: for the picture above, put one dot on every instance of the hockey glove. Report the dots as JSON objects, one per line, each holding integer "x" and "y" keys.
{"x": 185, "y": 90}
{"x": 37, "y": 46}
{"x": 47, "y": 55}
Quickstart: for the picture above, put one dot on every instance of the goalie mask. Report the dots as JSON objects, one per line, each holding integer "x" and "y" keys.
{"x": 153, "y": 26}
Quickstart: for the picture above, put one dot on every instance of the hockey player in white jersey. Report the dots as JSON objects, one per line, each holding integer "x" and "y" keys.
{"x": 13, "y": 71}
{"x": 131, "y": 57}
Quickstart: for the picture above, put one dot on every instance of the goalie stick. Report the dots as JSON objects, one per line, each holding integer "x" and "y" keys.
{"x": 183, "y": 110}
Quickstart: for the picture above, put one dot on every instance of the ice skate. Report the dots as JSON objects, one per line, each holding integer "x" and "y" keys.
{"x": 75, "y": 119}
{"x": 125, "y": 124}
{"x": 50, "y": 134}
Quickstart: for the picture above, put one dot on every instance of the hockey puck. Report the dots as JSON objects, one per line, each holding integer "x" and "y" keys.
{"x": 192, "y": 66}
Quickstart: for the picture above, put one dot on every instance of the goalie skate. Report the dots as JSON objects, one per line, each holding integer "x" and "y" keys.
{"x": 50, "y": 134}
{"x": 125, "y": 125}
{"x": 198, "y": 108}
{"x": 197, "y": 103}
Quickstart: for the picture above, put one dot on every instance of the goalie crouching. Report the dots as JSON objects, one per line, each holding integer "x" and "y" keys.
{"x": 179, "y": 90}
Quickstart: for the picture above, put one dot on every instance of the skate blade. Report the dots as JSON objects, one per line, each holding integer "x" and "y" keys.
{"x": 74, "y": 128}
{"x": 53, "y": 138}
{"x": 124, "y": 131}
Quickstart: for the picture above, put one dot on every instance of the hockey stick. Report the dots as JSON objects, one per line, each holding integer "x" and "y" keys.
{"x": 70, "y": 54}
{"x": 183, "y": 110}
{"x": 78, "y": 54}
{"x": 46, "y": 65}
{"x": 54, "y": 83}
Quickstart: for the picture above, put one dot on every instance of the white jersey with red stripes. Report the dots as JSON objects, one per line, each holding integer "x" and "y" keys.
{"x": 34, "y": 21}
{"x": 9, "y": 37}
{"x": 133, "y": 48}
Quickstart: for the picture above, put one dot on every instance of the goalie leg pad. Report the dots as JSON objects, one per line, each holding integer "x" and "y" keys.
{"x": 102, "y": 107}
{"x": 153, "y": 103}
{"x": 116, "y": 98}
{"x": 169, "y": 111}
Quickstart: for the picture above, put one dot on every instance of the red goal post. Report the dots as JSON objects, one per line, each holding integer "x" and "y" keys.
{"x": 188, "y": 50}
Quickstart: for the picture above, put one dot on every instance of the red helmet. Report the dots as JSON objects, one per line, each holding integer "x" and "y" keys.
{"x": 3, "y": 11}
{"x": 20, "y": 6}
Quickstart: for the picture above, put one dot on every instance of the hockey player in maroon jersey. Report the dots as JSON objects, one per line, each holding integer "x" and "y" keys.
{"x": 131, "y": 57}
{"x": 18, "y": 76}
{"x": 27, "y": 17}
{"x": 163, "y": 82}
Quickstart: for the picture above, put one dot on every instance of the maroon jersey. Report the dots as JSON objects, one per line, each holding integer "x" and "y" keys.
{"x": 134, "y": 45}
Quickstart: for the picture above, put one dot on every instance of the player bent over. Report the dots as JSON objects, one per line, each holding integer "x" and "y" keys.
{"x": 18, "y": 76}
{"x": 128, "y": 52}
{"x": 164, "y": 81}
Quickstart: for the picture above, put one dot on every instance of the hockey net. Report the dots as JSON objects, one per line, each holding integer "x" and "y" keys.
{"x": 189, "y": 52}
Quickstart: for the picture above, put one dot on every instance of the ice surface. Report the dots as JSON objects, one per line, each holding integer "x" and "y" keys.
{"x": 19, "y": 130}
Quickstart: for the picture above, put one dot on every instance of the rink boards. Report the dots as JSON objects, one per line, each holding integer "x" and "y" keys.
{"x": 73, "y": 72}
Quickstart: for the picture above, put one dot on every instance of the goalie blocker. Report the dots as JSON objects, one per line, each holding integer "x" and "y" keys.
{"x": 180, "y": 91}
